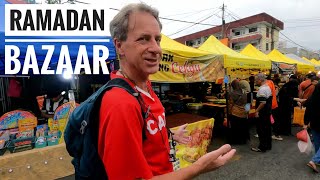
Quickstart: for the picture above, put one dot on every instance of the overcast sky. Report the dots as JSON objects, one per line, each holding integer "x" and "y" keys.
{"x": 301, "y": 17}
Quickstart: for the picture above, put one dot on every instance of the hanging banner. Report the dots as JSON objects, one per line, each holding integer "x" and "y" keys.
{"x": 283, "y": 68}
{"x": 200, "y": 133}
{"x": 180, "y": 69}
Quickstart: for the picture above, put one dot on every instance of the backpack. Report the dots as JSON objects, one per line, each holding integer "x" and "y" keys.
{"x": 81, "y": 133}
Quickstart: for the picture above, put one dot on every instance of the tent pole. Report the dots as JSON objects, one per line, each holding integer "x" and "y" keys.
{"x": 226, "y": 96}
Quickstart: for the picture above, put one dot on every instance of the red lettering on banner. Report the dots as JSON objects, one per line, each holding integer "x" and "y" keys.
{"x": 186, "y": 68}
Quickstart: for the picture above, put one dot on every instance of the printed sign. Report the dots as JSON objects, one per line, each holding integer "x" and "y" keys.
{"x": 177, "y": 68}
{"x": 11, "y": 119}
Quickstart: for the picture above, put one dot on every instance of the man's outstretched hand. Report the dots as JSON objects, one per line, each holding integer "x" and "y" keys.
{"x": 215, "y": 159}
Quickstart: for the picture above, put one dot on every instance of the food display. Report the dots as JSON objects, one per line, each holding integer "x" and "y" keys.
{"x": 19, "y": 130}
{"x": 218, "y": 101}
{"x": 200, "y": 137}
{"x": 194, "y": 106}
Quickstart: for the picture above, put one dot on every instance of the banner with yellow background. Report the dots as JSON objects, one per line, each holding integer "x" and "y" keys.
{"x": 181, "y": 69}
{"x": 200, "y": 133}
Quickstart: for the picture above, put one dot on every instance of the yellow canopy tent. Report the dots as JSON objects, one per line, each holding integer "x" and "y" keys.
{"x": 251, "y": 51}
{"x": 277, "y": 67}
{"x": 238, "y": 65}
{"x": 314, "y": 62}
{"x": 277, "y": 56}
{"x": 309, "y": 66}
{"x": 233, "y": 59}
{"x": 182, "y": 64}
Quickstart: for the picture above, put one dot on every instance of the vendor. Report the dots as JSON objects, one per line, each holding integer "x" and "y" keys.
{"x": 51, "y": 102}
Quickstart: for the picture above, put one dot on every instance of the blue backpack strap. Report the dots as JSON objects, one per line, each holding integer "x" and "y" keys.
{"x": 121, "y": 83}
{"x": 82, "y": 131}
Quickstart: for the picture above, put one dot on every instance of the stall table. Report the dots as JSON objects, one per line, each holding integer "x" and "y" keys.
{"x": 179, "y": 119}
{"x": 217, "y": 111}
{"x": 215, "y": 105}
{"x": 50, "y": 162}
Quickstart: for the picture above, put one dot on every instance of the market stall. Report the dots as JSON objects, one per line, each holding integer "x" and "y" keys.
{"x": 314, "y": 62}
{"x": 276, "y": 66}
{"x": 28, "y": 148}
{"x": 237, "y": 65}
{"x": 277, "y": 57}
{"x": 183, "y": 64}
{"x": 309, "y": 65}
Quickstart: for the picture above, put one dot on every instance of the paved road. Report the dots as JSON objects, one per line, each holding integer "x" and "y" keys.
{"x": 283, "y": 162}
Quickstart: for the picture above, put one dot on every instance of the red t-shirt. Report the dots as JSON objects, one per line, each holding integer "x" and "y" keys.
{"x": 121, "y": 147}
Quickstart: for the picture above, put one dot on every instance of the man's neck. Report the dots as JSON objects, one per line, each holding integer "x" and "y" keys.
{"x": 138, "y": 79}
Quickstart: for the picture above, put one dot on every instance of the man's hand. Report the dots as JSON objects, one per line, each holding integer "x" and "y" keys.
{"x": 215, "y": 159}
{"x": 256, "y": 114}
{"x": 306, "y": 126}
{"x": 299, "y": 104}
{"x": 179, "y": 135}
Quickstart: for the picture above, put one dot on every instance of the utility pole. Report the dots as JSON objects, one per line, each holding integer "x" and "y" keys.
{"x": 272, "y": 38}
{"x": 223, "y": 23}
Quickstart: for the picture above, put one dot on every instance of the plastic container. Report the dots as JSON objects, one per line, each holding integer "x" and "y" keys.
{"x": 53, "y": 141}
{"x": 22, "y": 144}
{"x": 41, "y": 142}
{"x": 4, "y": 148}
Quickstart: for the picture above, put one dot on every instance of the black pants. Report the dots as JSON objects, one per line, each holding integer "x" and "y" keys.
{"x": 285, "y": 122}
{"x": 264, "y": 132}
{"x": 277, "y": 119}
{"x": 239, "y": 133}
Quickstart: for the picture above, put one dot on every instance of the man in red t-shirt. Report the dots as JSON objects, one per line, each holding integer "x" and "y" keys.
{"x": 136, "y": 32}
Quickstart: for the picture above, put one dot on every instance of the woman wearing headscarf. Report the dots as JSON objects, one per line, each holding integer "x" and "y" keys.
{"x": 238, "y": 114}
{"x": 286, "y": 95}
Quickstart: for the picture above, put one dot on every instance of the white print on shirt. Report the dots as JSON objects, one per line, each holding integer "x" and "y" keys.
{"x": 161, "y": 124}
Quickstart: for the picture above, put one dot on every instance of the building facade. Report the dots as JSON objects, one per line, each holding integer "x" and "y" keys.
{"x": 261, "y": 30}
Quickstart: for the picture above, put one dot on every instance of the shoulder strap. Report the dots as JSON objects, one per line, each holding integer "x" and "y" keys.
{"x": 307, "y": 87}
{"x": 121, "y": 83}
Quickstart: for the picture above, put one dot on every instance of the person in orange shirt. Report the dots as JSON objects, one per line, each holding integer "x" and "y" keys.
{"x": 274, "y": 112}
{"x": 306, "y": 88}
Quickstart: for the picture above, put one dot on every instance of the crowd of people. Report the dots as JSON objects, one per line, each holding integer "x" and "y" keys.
{"x": 274, "y": 110}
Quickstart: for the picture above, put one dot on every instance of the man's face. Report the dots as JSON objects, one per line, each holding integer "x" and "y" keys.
{"x": 258, "y": 81}
{"x": 315, "y": 82}
{"x": 141, "y": 51}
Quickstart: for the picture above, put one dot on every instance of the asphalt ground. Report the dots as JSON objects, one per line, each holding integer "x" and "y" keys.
{"x": 283, "y": 162}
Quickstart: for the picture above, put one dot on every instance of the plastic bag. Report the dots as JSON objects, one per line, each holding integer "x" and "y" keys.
{"x": 247, "y": 107}
{"x": 271, "y": 119}
{"x": 302, "y": 135}
{"x": 306, "y": 147}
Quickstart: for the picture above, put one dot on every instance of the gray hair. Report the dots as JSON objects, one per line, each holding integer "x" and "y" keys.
{"x": 119, "y": 24}
{"x": 261, "y": 76}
